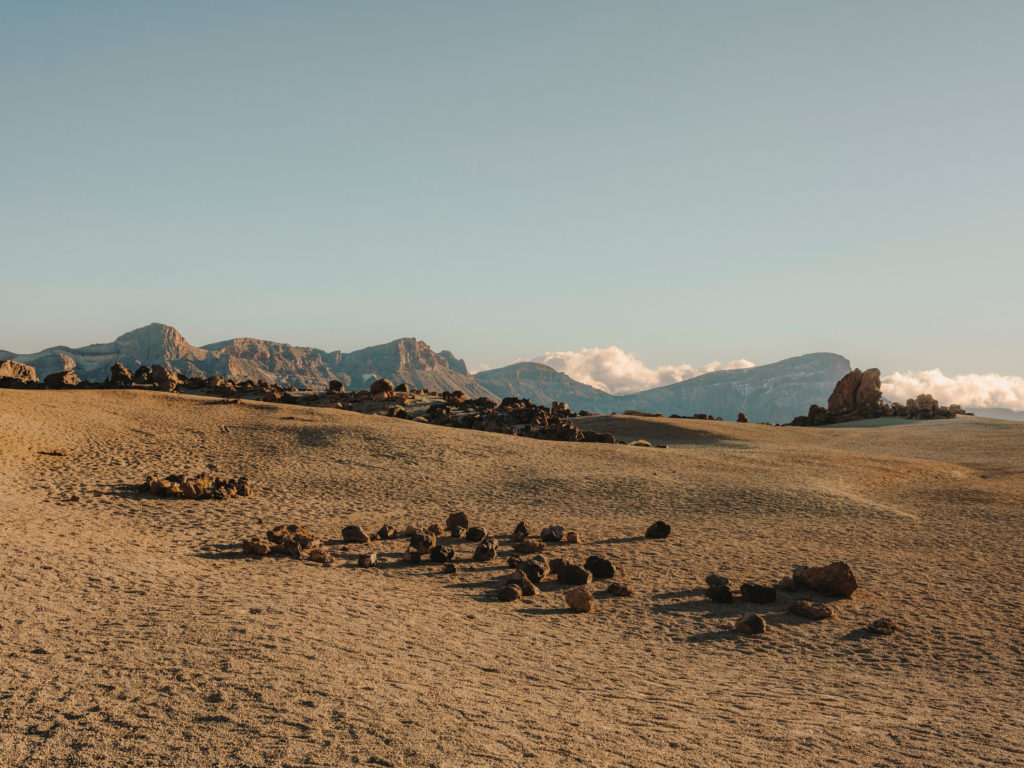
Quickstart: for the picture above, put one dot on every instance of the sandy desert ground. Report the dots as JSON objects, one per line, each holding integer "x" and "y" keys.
{"x": 133, "y": 632}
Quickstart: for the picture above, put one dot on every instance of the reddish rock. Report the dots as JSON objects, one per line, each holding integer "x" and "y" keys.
{"x": 319, "y": 555}
{"x": 835, "y": 579}
{"x": 579, "y": 600}
{"x": 509, "y": 593}
{"x": 751, "y": 624}
{"x": 457, "y": 520}
{"x": 574, "y": 537}
{"x": 809, "y": 610}
{"x": 353, "y": 534}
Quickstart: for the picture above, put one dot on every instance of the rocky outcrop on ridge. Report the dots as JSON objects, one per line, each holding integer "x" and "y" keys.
{"x": 858, "y": 395}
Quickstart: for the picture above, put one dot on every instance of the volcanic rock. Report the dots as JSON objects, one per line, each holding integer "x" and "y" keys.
{"x": 521, "y": 532}
{"x": 883, "y": 627}
{"x": 552, "y": 533}
{"x": 809, "y": 610}
{"x": 509, "y": 593}
{"x": 751, "y": 624}
{"x": 601, "y": 567}
{"x": 579, "y": 600}
{"x": 835, "y": 579}
{"x": 486, "y": 550}
{"x": 442, "y": 554}
{"x": 658, "y": 530}
{"x": 457, "y": 520}
{"x": 713, "y": 580}
{"x": 757, "y": 593}
{"x": 573, "y": 573}
{"x": 720, "y": 593}
{"x": 353, "y": 534}
{"x": 476, "y": 533}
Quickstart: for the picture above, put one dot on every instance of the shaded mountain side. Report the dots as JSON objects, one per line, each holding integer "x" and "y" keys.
{"x": 403, "y": 360}
{"x": 777, "y": 392}
{"x": 543, "y": 384}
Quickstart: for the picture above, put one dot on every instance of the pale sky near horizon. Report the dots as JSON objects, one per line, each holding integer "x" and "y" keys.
{"x": 686, "y": 181}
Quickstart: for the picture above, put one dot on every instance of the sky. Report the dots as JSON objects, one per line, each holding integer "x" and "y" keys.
{"x": 689, "y": 183}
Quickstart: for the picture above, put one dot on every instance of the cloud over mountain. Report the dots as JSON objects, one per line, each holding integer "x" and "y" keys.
{"x": 614, "y": 370}
{"x": 984, "y": 390}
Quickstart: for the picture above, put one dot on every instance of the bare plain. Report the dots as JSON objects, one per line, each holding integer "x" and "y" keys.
{"x": 134, "y": 632}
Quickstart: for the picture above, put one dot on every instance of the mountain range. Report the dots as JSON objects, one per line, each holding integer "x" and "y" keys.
{"x": 776, "y": 392}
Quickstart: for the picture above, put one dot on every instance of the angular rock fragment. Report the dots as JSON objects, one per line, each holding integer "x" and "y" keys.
{"x": 809, "y": 610}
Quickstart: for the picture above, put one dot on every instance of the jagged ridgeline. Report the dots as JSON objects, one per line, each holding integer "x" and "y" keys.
{"x": 777, "y": 392}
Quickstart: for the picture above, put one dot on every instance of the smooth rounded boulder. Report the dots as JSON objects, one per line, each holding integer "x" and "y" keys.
{"x": 579, "y": 600}
{"x": 751, "y": 624}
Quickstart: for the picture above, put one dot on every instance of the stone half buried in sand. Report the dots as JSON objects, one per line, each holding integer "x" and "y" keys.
{"x": 751, "y": 624}
{"x": 619, "y": 589}
{"x": 658, "y": 530}
{"x": 457, "y": 520}
{"x": 883, "y": 627}
{"x": 835, "y": 579}
{"x": 579, "y": 600}
{"x": 367, "y": 560}
{"x": 809, "y": 610}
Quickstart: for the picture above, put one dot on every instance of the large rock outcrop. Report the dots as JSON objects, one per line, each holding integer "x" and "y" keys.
{"x": 15, "y": 374}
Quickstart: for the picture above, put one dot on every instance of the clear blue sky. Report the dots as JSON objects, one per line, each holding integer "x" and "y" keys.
{"x": 686, "y": 180}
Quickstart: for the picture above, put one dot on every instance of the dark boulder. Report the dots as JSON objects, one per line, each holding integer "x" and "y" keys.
{"x": 601, "y": 567}
{"x": 658, "y": 530}
{"x": 757, "y": 593}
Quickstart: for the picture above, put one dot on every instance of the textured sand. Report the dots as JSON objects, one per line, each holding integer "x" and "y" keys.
{"x": 133, "y": 633}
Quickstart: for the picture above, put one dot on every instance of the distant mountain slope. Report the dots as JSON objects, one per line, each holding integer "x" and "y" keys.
{"x": 997, "y": 413}
{"x": 543, "y": 384}
{"x": 403, "y": 360}
{"x": 777, "y": 392}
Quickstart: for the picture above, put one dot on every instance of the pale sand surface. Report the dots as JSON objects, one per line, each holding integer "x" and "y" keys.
{"x": 133, "y": 634}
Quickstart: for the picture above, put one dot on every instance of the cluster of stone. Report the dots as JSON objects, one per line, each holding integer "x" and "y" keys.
{"x": 201, "y": 486}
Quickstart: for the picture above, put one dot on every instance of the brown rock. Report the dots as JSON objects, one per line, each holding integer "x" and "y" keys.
{"x": 835, "y": 579}
{"x": 509, "y": 593}
{"x": 486, "y": 550}
{"x": 556, "y": 564}
{"x": 742, "y": 418}
{"x": 476, "y": 533}
{"x": 353, "y": 534}
{"x": 579, "y": 600}
{"x": 573, "y": 573}
{"x": 521, "y": 532}
{"x": 448, "y": 568}
{"x": 751, "y": 624}
{"x": 514, "y": 561}
{"x": 442, "y": 554}
{"x": 457, "y": 520}
{"x": 552, "y": 533}
{"x": 256, "y": 546}
{"x": 435, "y": 529}
{"x": 422, "y": 542}
{"x": 536, "y": 568}
{"x": 719, "y": 593}
{"x": 120, "y": 376}
{"x": 381, "y": 385}
{"x": 15, "y": 374}
{"x": 883, "y": 627}
{"x": 530, "y": 547}
{"x": 526, "y": 586}
{"x": 319, "y": 555}
{"x": 713, "y": 580}
{"x": 618, "y": 589}
{"x": 601, "y": 567}
{"x": 387, "y": 532}
{"x": 809, "y": 610}
{"x": 367, "y": 560}
{"x": 574, "y": 537}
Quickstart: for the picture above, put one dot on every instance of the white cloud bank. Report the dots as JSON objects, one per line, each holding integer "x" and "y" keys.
{"x": 616, "y": 371}
{"x": 981, "y": 390}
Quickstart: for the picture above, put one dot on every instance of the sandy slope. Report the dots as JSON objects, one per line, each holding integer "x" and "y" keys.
{"x": 134, "y": 634}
